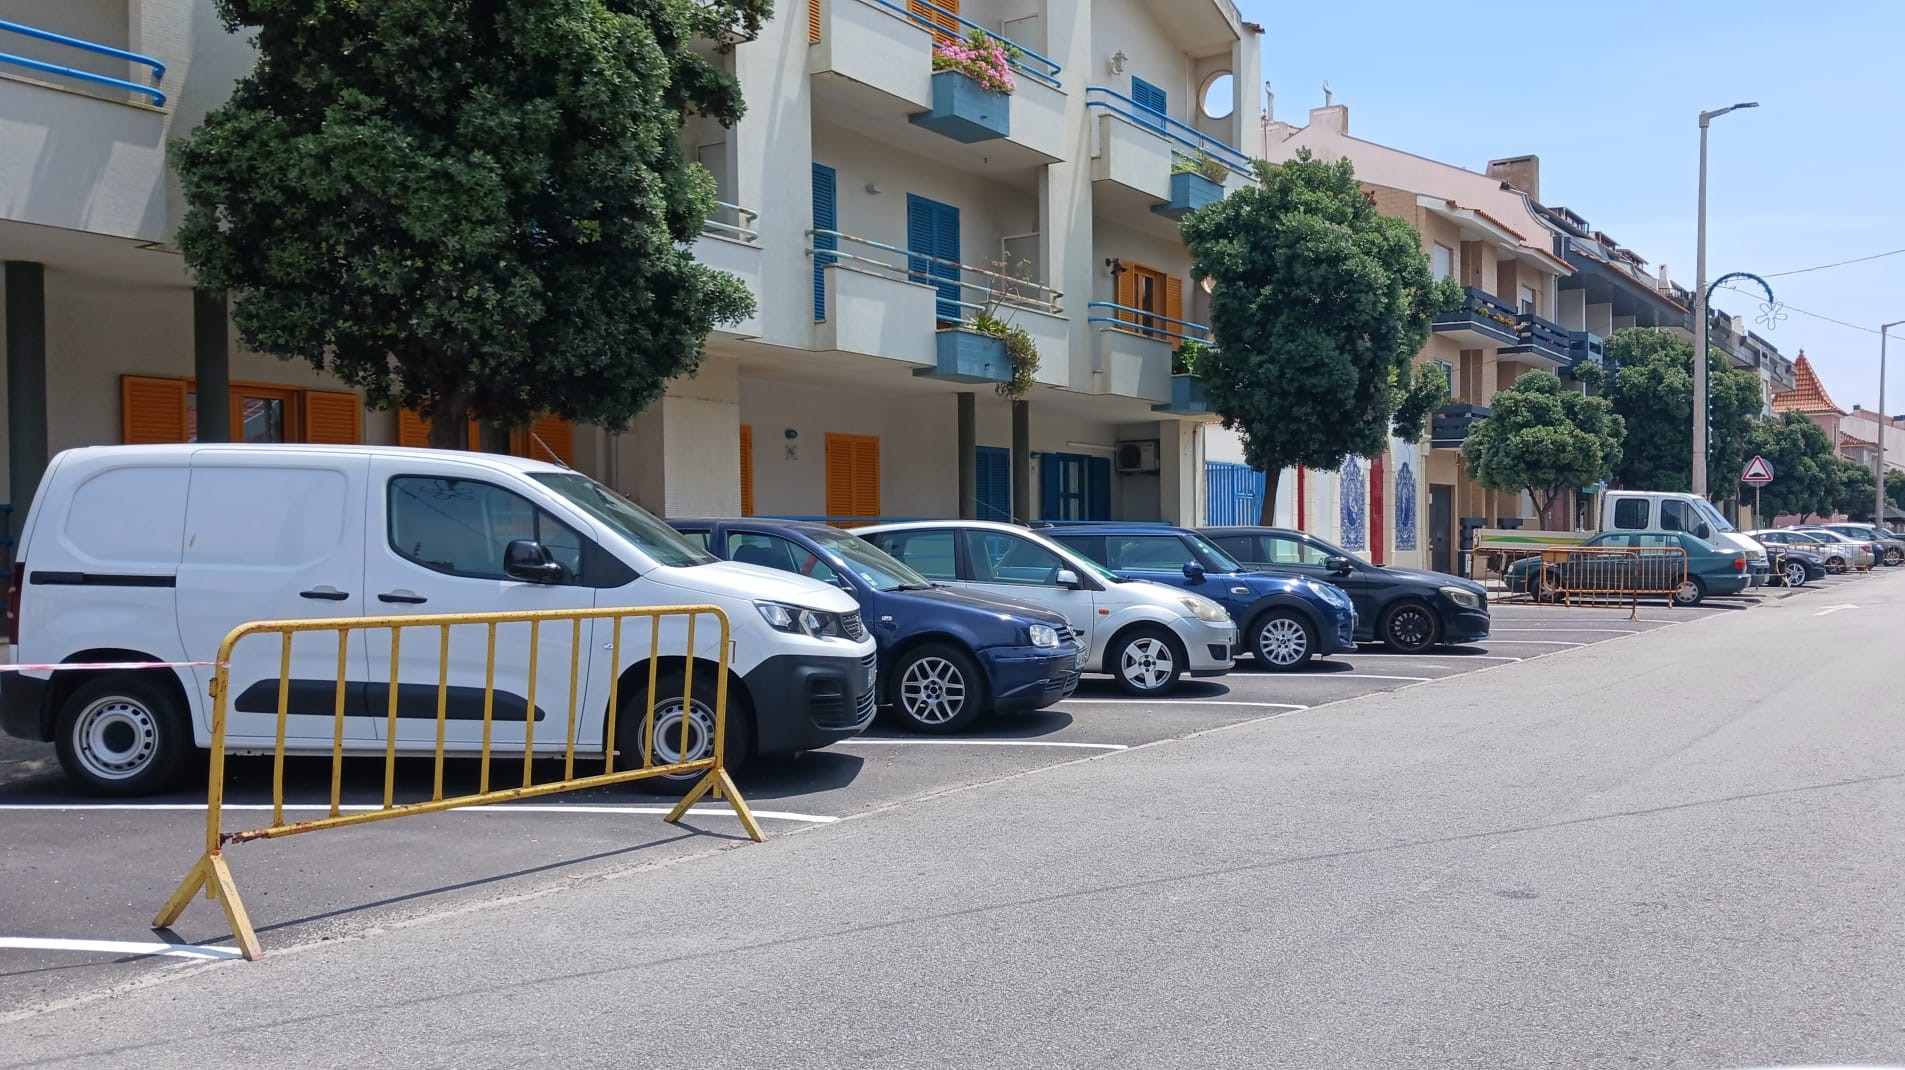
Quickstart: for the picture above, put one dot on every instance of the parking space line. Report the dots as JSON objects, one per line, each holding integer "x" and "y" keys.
{"x": 1432, "y": 657}
{"x": 1587, "y": 631}
{"x": 1185, "y": 702}
{"x": 512, "y": 808}
{"x": 1531, "y": 642}
{"x": 880, "y": 741}
{"x": 1353, "y": 676}
{"x": 119, "y": 947}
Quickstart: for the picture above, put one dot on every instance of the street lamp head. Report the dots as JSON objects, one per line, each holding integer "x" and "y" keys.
{"x": 1705, "y": 116}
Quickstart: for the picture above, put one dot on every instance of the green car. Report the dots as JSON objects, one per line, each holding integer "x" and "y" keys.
{"x": 1655, "y": 568}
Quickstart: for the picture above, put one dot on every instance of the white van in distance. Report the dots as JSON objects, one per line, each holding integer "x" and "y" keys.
{"x": 1649, "y": 510}
{"x": 154, "y": 553}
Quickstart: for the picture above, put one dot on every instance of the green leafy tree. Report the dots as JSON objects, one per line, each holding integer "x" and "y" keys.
{"x": 1649, "y": 381}
{"x": 1543, "y": 438}
{"x": 1319, "y": 307}
{"x": 1854, "y": 489}
{"x": 469, "y": 209}
{"x": 1804, "y": 476}
{"x": 1895, "y": 489}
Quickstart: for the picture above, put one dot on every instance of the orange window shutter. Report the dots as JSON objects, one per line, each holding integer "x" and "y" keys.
{"x": 333, "y": 418}
{"x": 550, "y": 439}
{"x": 1173, "y": 304}
{"x": 152, "y": 410}
{"x": 412, "y": 430}
{"x": 839, "y": 475}
{"x": 747, "y": 470}
{"x": 1128, "y": 293}
{"x": 866, "y": 477}
{"x": 943, "y": 17}
{"x": 813, "y": 21}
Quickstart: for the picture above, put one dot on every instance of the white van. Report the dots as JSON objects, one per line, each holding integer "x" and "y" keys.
{"x": 154, "y": 553}
{"x": 1146, "y": 636}
{"x": 1648, "y": 510}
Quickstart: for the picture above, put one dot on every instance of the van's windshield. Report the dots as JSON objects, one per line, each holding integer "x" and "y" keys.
{"x": 629, "y": 520}
{"x": 1711, "y": 515}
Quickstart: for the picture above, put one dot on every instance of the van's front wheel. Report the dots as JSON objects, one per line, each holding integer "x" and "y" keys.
{"x": 123, "y": 735}
{"x": 671, "y": 713}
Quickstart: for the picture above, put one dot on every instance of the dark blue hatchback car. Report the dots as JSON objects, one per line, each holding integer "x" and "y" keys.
{"x": 946, "y": 656}
{"x": 1282, "y": 621}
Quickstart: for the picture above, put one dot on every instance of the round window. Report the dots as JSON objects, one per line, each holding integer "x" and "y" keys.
{"x": 1219, "y": 95}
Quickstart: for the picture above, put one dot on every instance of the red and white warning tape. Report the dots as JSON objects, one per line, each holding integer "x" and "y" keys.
{"x": 96, "y": 666}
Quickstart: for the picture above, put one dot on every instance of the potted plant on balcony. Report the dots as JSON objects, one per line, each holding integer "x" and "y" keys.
{"x": 972, "y": 79}
{"x": 1187, "y": 386}
{"x": 1195, "y": 182}
{"x": 989, "y": 347}
{"x": 980, "y": 58}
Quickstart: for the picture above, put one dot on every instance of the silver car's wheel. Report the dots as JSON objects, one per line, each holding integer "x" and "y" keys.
{"x": 1146, "y": 663}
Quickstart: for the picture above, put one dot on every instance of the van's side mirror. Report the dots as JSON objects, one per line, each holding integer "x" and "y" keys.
{"x": 1338, "y": 565}
{"x": 529, "y": 561}
{"x": 1193, "y": 572}
{"x": 1067, "y": 578}
{"x": 1703, "y": 532}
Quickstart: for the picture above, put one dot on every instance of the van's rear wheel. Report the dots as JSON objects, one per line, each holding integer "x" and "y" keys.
{"x": 671, "y": 712}
{"x": 123, "y": 735}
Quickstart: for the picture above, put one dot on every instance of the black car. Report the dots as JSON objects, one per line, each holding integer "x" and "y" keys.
{"x": 1407, "y": 609}
{"x": 1793, "y": 565}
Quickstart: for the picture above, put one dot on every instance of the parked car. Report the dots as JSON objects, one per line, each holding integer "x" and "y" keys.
{"x": 947, "y": 656}
{"x": 1710, "y": 570}
{"x": 1860, "y": 554}
{"x": 226, "y": 534}
{"x": 1793, "y": 565}
{"x": 1286, "y": 621}
{"x": 1645, "y": 510}
{"x": 1889, "y": 547}
{"x": 1834, "y": 554}
{"x": 1143, "y": 635}
{"x": 1406, "y": 609}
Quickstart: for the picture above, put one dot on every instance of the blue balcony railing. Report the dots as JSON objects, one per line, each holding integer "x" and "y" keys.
{"x": 1180, "y": 134}
{"x": 12, "y": 60}
{"x": 928, "y": 15}
{"x": 1138, "y": 321}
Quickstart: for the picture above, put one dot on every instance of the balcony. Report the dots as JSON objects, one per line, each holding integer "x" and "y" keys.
{"x": 38, "y": 53}
{"x": 1134, "y": 352}
{"x": 1539, "y": 342}
{"x": 1450, "y": 424}
{"x": 1142, "y": 159}
{"x": 880, "y": 300}
{"x": 873, "y": 62}
{"x": 730, "y": 243}
{"x": 1483, "y": 322}
{"x": 1585, "y": 348}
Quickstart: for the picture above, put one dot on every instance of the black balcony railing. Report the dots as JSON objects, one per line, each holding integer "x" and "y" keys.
{"x": 1483, "y": 321}
{"x": 1585, "y": 348}
{"x": 1537, "y": 337}
{"x": 1450, "y": 424}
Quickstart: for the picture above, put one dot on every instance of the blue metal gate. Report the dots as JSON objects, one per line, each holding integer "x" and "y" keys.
{"x": 1233, "y": 493}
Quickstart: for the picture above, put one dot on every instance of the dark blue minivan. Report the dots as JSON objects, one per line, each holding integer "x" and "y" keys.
{"x": 1282, "y": 621}
{"x": 946, "y": 656}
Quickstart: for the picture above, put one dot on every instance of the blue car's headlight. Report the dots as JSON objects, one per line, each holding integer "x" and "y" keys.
{"x": 1044, "y": 635}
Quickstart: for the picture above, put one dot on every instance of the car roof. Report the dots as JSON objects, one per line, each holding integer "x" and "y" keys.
{"x": 1250, "y": 529}
{"x": 183, "y": 452}
{"x": 918, "y": 525}
{"x": 1055, "y": 530}
{"x": 801, "y": 527}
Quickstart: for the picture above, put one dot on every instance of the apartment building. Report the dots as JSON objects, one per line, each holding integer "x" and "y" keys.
{"x": 871, "y": 204}
{"x": 1406, "y": 506}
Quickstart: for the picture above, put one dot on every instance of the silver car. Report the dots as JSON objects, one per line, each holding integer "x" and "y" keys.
{"x": 1836, "y": 553}
{"x": 1891, "y": 548}
{"x": 1860, "y": 554}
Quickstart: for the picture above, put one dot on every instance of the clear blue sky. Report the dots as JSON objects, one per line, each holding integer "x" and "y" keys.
{"x": 1608, "y": 94}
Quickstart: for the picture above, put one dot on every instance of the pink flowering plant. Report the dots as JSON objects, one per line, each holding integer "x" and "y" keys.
{"x": 979, "y": 57}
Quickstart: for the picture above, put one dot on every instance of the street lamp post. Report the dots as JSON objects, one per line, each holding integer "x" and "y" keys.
{"x": 1885, "y": 422}
{"x": 1700, "y": 312}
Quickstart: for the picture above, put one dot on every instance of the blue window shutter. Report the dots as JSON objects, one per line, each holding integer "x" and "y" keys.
{"x": 994, "y": 469}
{"x": 1050, "y": 483}
{"x": 1098, "y": 489}
{"x": 919, "y": 236}
{"x": 826, "y": 217}
{"x": 1149, "y": 97}
{"x": 932, "y": 229}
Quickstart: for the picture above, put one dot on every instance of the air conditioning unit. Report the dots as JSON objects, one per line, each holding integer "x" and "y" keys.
{"x": 1138, "y": 456}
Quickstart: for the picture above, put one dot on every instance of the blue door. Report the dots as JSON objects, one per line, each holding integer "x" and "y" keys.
{"x": 1233, "y": 493}
{"x": 932, "y": 230}
{"x": 994, "y": 494}
{"x": 1074, "y": 487}
{"x": 826, "y": 222}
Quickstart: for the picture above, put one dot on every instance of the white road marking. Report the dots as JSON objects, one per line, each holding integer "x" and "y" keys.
{"x": 119, "y": 947}
{"x": 1354, "y": 676}
{"x": 1585, "y": 631}
{"x": 1834, "y": 609}
{"x": 1181, "y": 702}
{"x": 1531, "y": 642}
{"x": 1453, "y": 657}
{"x": 517, "y": 808}
{"x": 877, "y": 742}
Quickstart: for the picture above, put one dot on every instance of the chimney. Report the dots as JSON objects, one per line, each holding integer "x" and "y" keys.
{"x": 1330, "y": 119}
{"x": 1521, "y": 172}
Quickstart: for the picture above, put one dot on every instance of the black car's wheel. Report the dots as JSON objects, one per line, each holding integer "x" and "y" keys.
{"x": 1795, "y": 574}
{"x": 1145, "y": 661}
{"x": 1282, "y": 640}
{"x": 937, "y": 689}
{"x": 1691, "y": 593}
{"x": 670, "y": 713}
{"x": 1410, "y": 628}
{"x": 123, "y": 735}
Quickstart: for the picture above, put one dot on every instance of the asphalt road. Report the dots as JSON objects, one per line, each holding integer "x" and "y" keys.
{"x": 1672, "y": 849}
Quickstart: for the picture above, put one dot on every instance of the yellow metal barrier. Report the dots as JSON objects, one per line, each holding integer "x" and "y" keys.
{"x": 1585, "y": 576}
{"x": 213, "y": 875}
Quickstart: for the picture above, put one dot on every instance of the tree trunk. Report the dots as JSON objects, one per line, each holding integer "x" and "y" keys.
{"x": 450, "y": 423}
{"x": 1267, "y": 516}
{"x": 1542, "y": 500}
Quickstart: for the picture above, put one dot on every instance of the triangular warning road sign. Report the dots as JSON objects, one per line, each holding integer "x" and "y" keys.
{"x": 1758, "y": 470}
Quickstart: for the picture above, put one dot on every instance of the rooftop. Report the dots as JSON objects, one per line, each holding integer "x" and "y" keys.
{"x": 1808, "y": 394}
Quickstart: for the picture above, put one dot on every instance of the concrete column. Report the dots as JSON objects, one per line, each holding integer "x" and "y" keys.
{"x": 25, "y": 286}
{"x": 1021, "y": 461}
{"x": 968, "y": 456}
{"x": 682, "y": 455}
{"x": 211, "y": 366}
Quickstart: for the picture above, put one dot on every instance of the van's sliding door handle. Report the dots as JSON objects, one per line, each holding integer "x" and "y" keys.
{"x": 325, "y": 594}
{"x": 402, "y": 598}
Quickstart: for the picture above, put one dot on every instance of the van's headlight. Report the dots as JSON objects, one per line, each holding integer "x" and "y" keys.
{"x": 1463, "y": 597}
{"x": 1044, "y": 635}
{"x": 1206, "y": 610}
{"x": 798, "y": 620}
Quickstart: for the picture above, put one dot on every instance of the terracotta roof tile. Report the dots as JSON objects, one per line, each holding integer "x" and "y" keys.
{"x": 1808, "y": 394}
